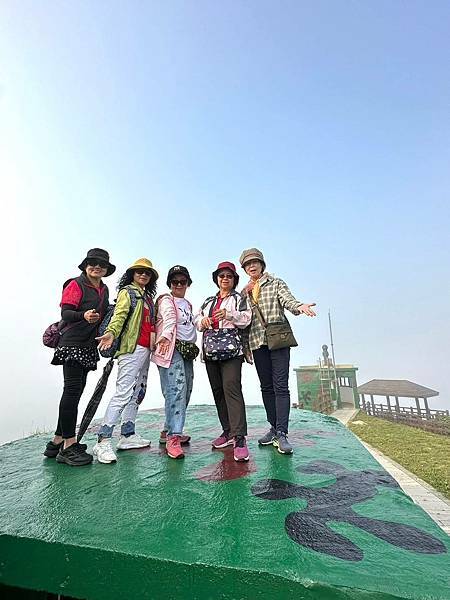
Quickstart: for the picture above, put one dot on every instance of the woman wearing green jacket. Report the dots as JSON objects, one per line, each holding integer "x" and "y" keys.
{"x": 133, "y": 357}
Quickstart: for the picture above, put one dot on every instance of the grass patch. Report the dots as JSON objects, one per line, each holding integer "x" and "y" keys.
{"x": 425, "y": 454}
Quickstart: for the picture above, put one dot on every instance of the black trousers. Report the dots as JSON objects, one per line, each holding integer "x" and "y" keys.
{"x": 272, "y": 367}
{"x": 225, "y": 380}
{"x": 74, "y": 384}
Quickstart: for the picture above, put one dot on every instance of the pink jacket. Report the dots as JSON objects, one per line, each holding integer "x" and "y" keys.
{"x": 166, "y": 326}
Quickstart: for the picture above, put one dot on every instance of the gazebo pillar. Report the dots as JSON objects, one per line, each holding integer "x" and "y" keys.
{"x": 418, "y": 406}
{"x": 373, "y": 404}
{"x": 389, "y": 403}
{"x": 397, "y": 405}
{"x": 427, "y": 408}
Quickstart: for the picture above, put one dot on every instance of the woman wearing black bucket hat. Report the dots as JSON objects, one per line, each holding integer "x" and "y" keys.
{"x": 174, "y": 355}
{"x": 84, "y": 301}
{"x": 220, "y": 318}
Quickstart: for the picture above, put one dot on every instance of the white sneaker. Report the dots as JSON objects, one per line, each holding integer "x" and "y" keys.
{"x": 104, "y": 452}
{"x": 132, "y": 441}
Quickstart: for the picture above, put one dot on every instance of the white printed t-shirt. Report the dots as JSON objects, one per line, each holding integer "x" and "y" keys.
{"x": 185, "y": 321}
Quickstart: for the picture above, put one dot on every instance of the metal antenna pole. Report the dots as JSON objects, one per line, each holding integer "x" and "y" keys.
{"x": 338, "y": 390}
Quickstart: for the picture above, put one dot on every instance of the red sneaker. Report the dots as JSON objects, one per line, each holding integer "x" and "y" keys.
{"x": 173, "y": 447}
{"x": 222, "y": 441}
{"x": 240, "y": 451}
{"x": 184, "y": 439}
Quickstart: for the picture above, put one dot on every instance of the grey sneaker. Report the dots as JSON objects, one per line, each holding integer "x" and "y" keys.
{"x": 267, "y": 438}
{"x": 280, "y": 442}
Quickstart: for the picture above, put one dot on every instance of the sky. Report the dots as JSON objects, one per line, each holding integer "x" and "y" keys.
{"x": 187, "y": 131}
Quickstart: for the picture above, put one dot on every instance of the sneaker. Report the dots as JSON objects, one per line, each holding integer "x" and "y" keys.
{"x": 52, "y": 449}
{"x": 267, "y": 438}
{"x": 280, "y": 441}
{"x": 222, "y": 441}
{"x": 75, "y": 455}
{"x": 240, "y": 451}
{"x": 104, "y": 452}
{"x": 184, "y": 439}
{"x": 132, "y": 441}
{"x": 173, "y": 447}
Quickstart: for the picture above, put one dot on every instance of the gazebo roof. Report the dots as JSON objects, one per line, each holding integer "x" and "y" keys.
{"x": 396, "y": 387}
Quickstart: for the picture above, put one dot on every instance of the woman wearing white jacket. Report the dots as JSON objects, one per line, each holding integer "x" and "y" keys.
{"x": 220, "y": 319}
{"x": 174, "y": 354}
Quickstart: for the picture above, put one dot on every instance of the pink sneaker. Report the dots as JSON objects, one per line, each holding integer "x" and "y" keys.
{"x": 173, "y": 447}
{"x": 184, "y": 439}
{"x": 222, "y": 441}
{"x": 240, "y": 451}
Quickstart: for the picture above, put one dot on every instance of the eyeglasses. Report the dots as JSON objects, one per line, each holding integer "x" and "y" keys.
{"x": 143, "y": 272}
{"x": 176, "y": 282}
{"x": 98, "y": 263}
{"x": 225, "y": 275}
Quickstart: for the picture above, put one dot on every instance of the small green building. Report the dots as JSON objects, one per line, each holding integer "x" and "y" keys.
{"x": 325, "y": 387}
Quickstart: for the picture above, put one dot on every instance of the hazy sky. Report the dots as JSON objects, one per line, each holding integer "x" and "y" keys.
{"x": 187, "y": 131}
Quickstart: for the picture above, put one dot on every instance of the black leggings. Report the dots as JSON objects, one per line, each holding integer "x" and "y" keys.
{"x": 74, "y": 383}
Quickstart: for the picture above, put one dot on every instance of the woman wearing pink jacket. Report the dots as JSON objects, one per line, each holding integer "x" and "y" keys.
{"x": 174, "y": 355}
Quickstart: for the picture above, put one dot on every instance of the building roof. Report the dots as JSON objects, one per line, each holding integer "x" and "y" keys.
{"x": 396, "y": 387}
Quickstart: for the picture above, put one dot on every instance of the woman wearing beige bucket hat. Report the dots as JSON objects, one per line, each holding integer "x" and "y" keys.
{"x": 269, "y": 297}
{"x": 134, "y": 313}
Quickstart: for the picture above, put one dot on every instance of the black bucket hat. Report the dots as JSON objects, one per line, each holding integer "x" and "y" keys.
{"x": 178, "y": 270}
{"x": 98, "y": 254}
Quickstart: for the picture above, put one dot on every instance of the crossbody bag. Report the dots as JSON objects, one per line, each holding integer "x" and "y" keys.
{"x": 279, "y": 334}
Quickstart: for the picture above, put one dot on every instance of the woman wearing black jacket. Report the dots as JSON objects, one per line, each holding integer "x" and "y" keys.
{"x": 83, "y": 305}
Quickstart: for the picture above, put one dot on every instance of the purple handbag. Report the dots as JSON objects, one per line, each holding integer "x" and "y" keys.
{"x": 53, "y": 333}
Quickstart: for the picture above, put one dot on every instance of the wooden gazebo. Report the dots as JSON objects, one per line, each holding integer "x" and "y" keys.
{"x": 395, "y": 389}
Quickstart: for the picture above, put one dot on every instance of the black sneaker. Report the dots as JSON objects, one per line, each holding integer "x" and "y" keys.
{"x": 75, "y": 455}
{"x": 51, "y": 449}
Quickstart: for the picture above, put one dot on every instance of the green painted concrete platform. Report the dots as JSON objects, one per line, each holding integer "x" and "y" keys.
{"x": 327, "y": 523}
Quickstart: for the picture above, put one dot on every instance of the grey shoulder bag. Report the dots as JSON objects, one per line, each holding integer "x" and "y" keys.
{"x": 279, "y": 334}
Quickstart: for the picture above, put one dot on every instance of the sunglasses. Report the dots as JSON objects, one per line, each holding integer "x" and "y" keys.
{"x": 100, "y": 263}
{"x": 143, "y": 272}
{"x": 225, "y": 275}
{"x": 176, "y": 282}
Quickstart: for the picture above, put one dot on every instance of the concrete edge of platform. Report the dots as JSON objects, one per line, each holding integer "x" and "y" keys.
{"x": 345, "y": 415}
{"x": 422, "y": 493}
